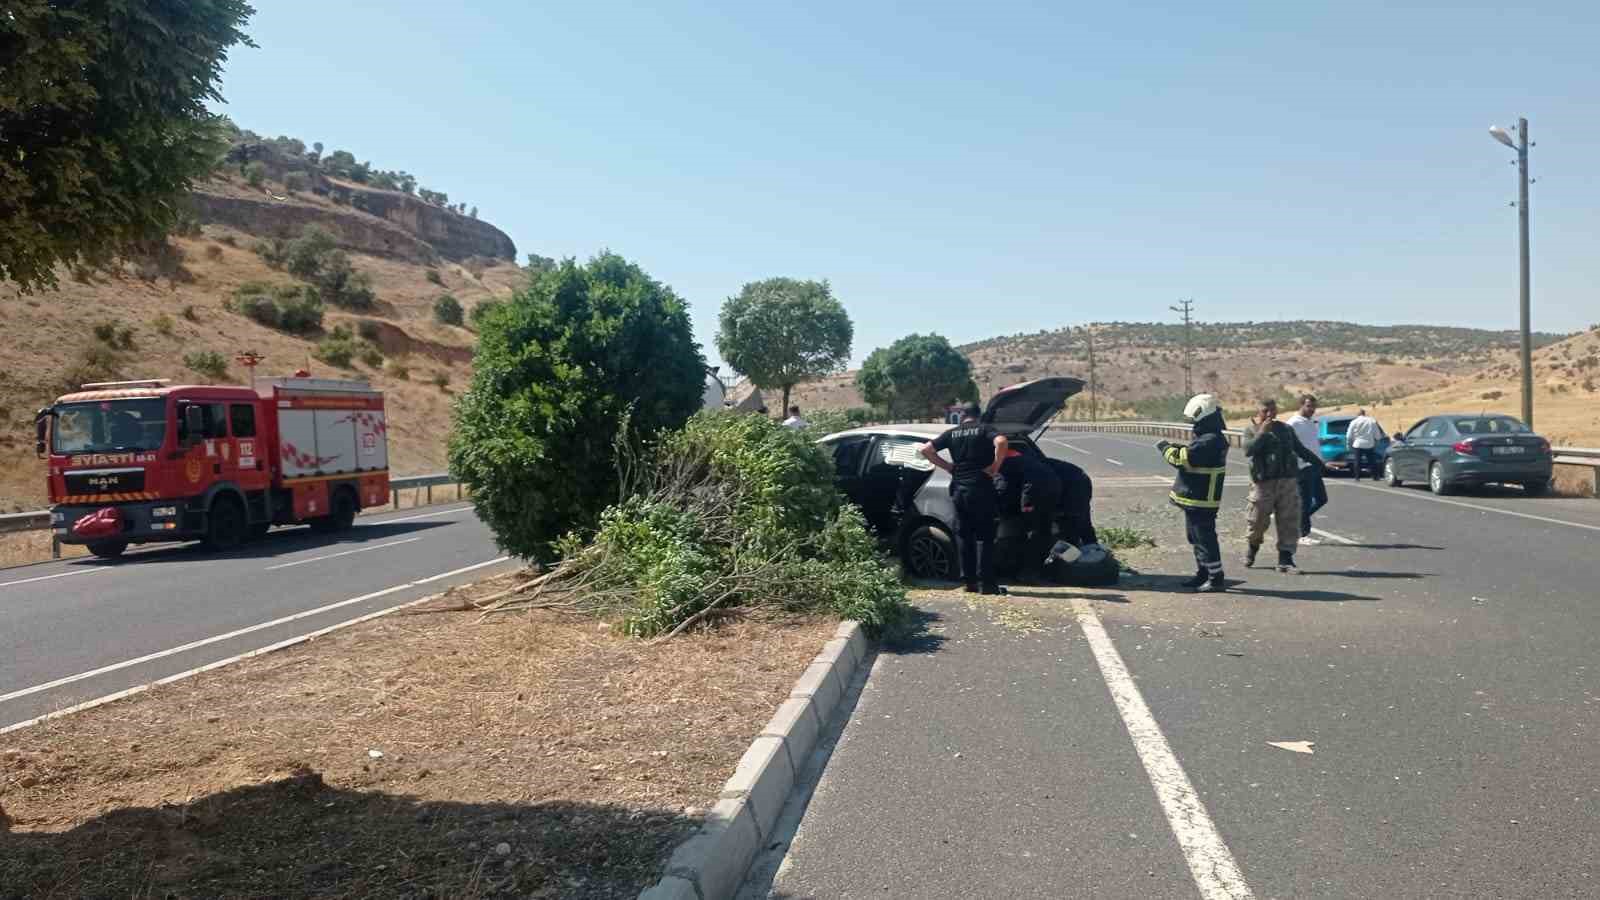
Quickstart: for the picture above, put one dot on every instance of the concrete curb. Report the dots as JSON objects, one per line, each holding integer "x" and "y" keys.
{"x": 712, "y": 864}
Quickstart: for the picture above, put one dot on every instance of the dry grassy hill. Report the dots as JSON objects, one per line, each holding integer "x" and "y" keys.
{"x": 171, "y": 308}
{"x": 1566, "y": 402}
{"x": 1139, "y": 367}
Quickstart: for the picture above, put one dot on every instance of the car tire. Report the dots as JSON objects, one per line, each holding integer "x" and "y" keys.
{"x": 107, "y": 549}
{"x": 1437, "y": 482}
{"x": 226, "y": 526}
{"x": 930, "y": 552}
{"x": 1538, "y": 488}
{"x": 1391, "y": 476}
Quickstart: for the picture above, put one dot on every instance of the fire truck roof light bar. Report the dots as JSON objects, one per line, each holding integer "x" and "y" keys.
{"x": 143, "y": 382}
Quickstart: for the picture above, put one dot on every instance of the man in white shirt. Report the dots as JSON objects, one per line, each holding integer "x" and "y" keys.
{"x": 794, "y": 420}
{"x": 1313, "y": 493}
{"x": 1362, "y": 438}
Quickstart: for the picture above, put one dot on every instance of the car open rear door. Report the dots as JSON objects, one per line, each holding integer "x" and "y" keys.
{"x": 1027, "y": 408}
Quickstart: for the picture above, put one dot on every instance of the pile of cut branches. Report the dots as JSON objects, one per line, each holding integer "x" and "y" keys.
{"x": 730, "y": 515}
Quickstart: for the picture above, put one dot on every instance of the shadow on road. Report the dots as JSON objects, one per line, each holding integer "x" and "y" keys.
{"x": 277, "y": 543}
{"x": 1073, "y": 593}
{"x": 1173, "y": 584}
{"x": 1357, "y": 573}
{"x": 297, "y": 837}
{"x": 920, "y": 633}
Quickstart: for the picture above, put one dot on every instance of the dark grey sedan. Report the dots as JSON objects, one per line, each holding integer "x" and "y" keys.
{"x": 1447, "y": 452}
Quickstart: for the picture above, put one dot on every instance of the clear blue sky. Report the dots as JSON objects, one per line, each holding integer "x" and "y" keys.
{"x": 984, "y": 169}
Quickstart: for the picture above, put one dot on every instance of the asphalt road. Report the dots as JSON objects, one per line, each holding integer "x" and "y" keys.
{"x": 1439, "y": 654}
{"x": 77, "y": 630}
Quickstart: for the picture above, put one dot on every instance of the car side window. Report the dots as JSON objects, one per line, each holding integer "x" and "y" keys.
{"x": 900, "y": 452}
{"x": 1436, "y": 428}
{"x": 847, "y": 456}
{"x": 1417, "y": 430}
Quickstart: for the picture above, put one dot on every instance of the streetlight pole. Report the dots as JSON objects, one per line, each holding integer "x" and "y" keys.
{"x": 1521, "y": 146}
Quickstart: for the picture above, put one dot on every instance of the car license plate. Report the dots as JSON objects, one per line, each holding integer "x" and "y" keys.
{"x": 1507, "y": 451}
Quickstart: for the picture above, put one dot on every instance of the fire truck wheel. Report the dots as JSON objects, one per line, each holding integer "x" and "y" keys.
{"x": 228, "y": 526}
{"x": 107, "y": 549}
{"x": 341, "y": 518}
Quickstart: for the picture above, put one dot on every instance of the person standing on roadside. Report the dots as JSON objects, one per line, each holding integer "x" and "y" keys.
{"x": 794, "y": 420}
{"x": 1275, "y": 453}
{"x": 1362, "y": 438}
{"x": 1313, "y": 492}
{"x": 1202, "y": 467}
{"x": 976, "y": 452}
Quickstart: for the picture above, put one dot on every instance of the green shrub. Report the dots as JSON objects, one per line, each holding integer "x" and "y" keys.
{"x": 228, "y": 239}
{"x": 296, "y": 181}
{"x": 209, "y": 363}
{"x": 1118, "y": 538}
{"x": 447, "y": 310}
{"x": 255, "y": 173}
{"x": 484, "y": 310}
{"x": 371, "y": 355}
{"x": 106, "y": 333}
{"x": 554, "y": 373}
{"x": 213, "y": 252}
{"x": 304, "y": 256}
{"x": 434, "y": 276}
{"x": 163, "y": 325}
{"x": 190, "y": 314}
{"x": 299, "y": 309}
{"x": 394, "y": 368}
{"x": 273, "y": 252}
{"x": 337, "y": 348}
{"x": 369, "y": 330}
{"x": 441, "y": 380}
{"x": 735, "y": 511}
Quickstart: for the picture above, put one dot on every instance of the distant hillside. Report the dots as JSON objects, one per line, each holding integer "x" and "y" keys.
{"x": 1139, "y": 366}
{"x": 179, "y": 315}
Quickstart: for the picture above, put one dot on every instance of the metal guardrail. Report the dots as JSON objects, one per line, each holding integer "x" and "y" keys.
{"x": 39, "y": 520}
{"x": 1565, "y": 456}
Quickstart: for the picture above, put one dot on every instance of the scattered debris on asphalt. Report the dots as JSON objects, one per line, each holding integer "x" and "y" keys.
{"x": 1294, "y": 746}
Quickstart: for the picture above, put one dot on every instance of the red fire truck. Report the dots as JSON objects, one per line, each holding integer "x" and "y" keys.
{"x": 141, "y": 461}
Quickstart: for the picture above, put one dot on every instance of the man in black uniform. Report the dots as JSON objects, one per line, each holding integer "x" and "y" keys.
{"x": 976, "y": 451}
{"x": 1030, "y": 488}
{"x": 1074, "y": 524}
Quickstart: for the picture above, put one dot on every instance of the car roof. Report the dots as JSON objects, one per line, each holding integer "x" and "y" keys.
{"x": 909, "y": 430}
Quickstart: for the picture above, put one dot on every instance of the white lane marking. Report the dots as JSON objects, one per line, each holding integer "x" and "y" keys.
{"x": 1418, "y": 495}
{"x": 259, "y": 651}
{"x": 1211, "y": 864}
{"x": 192, "y": 645}
{"x": 302, "y": 562}
{"x": 426, "y": 515}
{"x": 1112, "y": 461}
{"x": 1337, "y": 539}
{"x": 1067, "y": 445}
{"x": 57, "y": 575}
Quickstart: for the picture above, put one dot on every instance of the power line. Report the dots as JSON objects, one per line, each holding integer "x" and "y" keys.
{"x": 1185, "y": 308}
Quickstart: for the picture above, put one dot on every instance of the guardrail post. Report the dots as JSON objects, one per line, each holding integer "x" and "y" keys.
{"x": 429, "y": 489}
{"x": 55, "y": 539}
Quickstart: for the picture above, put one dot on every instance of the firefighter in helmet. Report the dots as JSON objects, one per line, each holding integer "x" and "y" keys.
{"x": 1202, "y": 466}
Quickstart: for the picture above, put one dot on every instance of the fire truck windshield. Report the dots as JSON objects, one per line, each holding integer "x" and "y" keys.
{"x": 110, "y": 426}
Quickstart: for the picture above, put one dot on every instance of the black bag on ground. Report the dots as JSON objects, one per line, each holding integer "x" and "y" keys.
{"x": 1090, "y": 570}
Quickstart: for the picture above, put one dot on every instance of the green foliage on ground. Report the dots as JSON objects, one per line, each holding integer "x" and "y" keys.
{"x": 556, "y": 369}
{"x": 917, "y": 376}
{"x": 210, "y": 363}
{"x": 314, "y": 257}
{"x": 822, "y": 422}
{"x": 104, "y": 125}
{"x": 733, "y": 513}
{"x": 294, "y": 308}
{"x": 447, "y": 310}
{"x": 782, "y": 331}
{"x": 1117, "y": 538}
{"x": 341, "y": 347}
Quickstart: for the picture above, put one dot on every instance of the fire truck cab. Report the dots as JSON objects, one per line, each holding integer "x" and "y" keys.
{"x": 145, "y": 461}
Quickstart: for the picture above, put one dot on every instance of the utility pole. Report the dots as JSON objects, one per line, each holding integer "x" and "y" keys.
{"x": 1094, "y": 385}
{"x": 1521, "y": 145}
{"x": 1186, "y": 309}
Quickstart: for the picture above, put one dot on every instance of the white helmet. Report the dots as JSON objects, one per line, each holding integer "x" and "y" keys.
{"x": 1200, "y": 406}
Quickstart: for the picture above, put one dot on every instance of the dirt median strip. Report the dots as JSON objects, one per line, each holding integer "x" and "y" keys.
{"x": 422, "y": 754}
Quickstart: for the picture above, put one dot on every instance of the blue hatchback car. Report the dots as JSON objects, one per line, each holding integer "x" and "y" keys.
{"x": 1331, "y": 434}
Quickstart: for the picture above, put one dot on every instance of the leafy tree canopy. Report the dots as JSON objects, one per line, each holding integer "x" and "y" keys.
{"x": 917, "y": 376}
{"x": 559, "y": 368}
{"x": 782, "y": 331}
{"x": 103, "y": 124}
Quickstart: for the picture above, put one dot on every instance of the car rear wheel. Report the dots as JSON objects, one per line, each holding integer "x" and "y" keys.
{"x": 341, "y": 517}
{"x": 227, "y": 527}
{"x": 1391, "y": 477}
{"x": 107, "y": 549}
{"x": 930, "y": 552}
{"x": 1537, "y": 488}
{"x": 1437, "y": 482}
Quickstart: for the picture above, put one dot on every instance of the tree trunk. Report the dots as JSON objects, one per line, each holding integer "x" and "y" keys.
{"x": 783, "y": 411}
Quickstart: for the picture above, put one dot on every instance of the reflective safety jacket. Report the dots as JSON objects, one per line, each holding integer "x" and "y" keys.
{"x": 1202, "y": 465}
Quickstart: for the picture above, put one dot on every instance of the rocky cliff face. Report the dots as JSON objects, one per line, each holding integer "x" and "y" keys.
{"x": 411, "y": 221}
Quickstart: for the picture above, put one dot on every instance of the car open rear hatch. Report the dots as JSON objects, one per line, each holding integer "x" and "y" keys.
{"x": 1027, "y": 408}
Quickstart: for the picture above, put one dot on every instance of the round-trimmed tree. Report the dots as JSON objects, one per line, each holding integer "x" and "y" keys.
{"x": 559, "y": 368}
{"x": 782, "y": 331}
{"x": 916, "y": 376}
